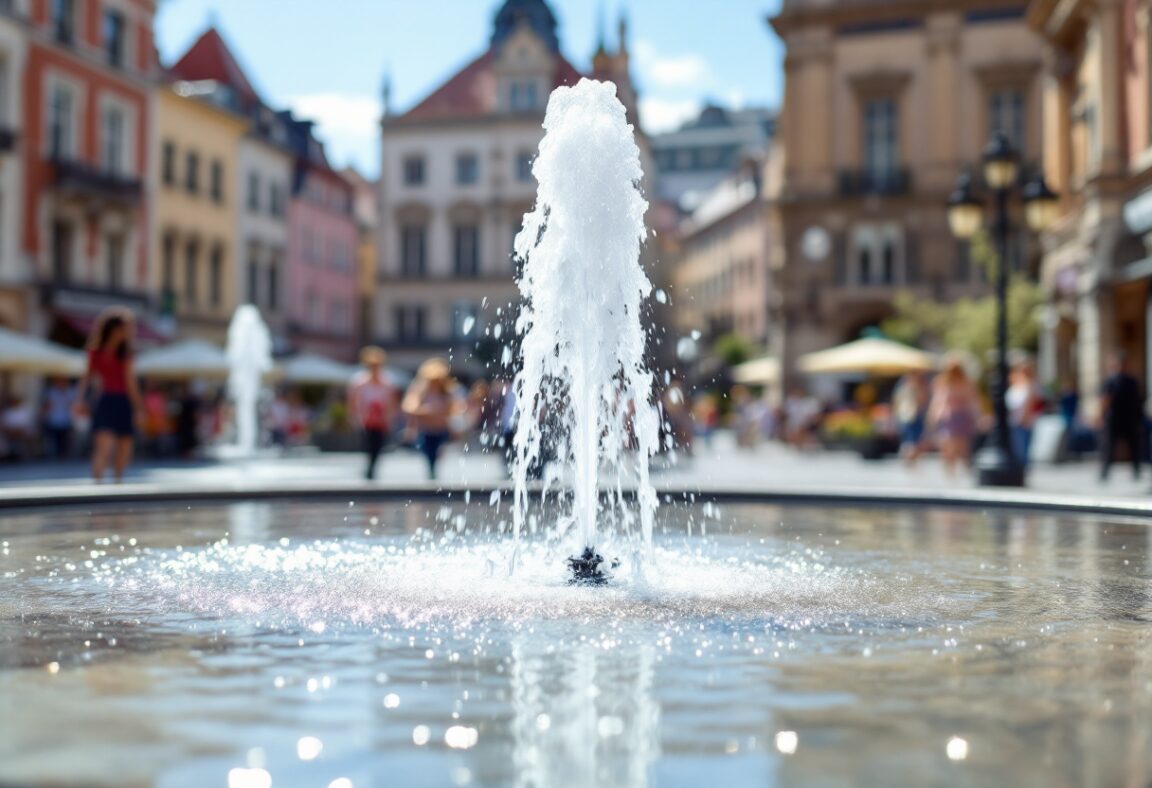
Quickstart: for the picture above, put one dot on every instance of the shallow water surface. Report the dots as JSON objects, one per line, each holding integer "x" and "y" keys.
{"x": 381, "y": 644}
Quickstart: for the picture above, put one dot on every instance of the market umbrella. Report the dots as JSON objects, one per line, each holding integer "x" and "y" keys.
{"x": 310, "y": 368}
{"x": 24, "y": 353}
{"x": 185, "y": 360}
{"x": 757, "y": 372}
{"x": 871, "y": 356}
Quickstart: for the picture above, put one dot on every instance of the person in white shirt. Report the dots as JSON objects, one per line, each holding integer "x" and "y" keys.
{"x": 372, "y": 405}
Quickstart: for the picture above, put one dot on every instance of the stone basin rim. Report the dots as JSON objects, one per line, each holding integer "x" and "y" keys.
{"x": 39, "y": 498}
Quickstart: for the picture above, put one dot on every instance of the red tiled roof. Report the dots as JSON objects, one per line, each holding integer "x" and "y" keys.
{"x": 471, "y": 92}
{"x": 211, "y": 59}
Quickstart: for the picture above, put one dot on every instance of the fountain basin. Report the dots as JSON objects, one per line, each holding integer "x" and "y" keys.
{"x": 382, "y": 642}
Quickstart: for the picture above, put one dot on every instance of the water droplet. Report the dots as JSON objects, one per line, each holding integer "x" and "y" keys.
{"x": 420, "y": 735}
{"x": 787, "y": 741}
{"x": 459, "y": 737}
{"x": 249, "y": 778}
{"x": 391, "y": 700}
{"x": 308, "y": 748}
{"x": 957, "y": 749}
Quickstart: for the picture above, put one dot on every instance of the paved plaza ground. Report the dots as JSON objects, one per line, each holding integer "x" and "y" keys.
{"x": 719, "y": 466}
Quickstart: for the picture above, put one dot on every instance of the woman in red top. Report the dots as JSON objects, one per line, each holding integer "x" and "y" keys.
{"x": 110, "y": 367}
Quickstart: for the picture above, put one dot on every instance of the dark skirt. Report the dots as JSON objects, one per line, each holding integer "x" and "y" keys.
{"x": 113, "y": 414}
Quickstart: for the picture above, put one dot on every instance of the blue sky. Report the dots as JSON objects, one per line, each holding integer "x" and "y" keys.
{"x": 327, "y": 64}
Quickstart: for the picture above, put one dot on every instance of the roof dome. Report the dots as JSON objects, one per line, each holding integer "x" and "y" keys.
{"x": 535, "y": 13}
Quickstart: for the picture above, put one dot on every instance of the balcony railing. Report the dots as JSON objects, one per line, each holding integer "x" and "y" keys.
{"x": 860, "y": 183}
{"x": 92, "y": 182}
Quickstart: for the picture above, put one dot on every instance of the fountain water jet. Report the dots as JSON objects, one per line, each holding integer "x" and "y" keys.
{"x": 249, "y": 359}
{"x": 584, "y": 384}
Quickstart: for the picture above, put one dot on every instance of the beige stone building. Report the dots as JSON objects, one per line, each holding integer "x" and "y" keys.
{"x": 455, "y": 182}
{"x": 885, "y": 102}
{"x": 1097, "y": 268}
{"x": 720, "y": 281}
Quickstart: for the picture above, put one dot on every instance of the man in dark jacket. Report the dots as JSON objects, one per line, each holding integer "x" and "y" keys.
{"x": 1122, "y": 406}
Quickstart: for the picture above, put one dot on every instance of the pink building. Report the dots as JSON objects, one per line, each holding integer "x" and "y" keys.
{"x": 321, "y": 294}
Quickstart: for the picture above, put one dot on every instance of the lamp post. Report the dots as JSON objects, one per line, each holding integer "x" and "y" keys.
{"x": 996, "y": 464}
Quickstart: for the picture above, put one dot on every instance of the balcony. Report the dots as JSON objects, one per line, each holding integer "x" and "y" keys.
{"x": 91, "y": 183}
{"x": 864, "y": 183}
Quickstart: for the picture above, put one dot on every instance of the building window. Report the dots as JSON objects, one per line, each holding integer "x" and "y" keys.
{"x": 413, "y": 170}
{"x": 254, "y": 191}
{"x": 467, "y": 169}
{"x": 273, "y": 285}
{"x": 409, "y": 323}
{"x": 168, "y": 166}
{"x": 524, "y": 166}
{"x": 113, "y": 141}
{"x": 216, "y": 276}
{"x": 62, "y": 237}
{"x": 888, "y": 263}
{"x": 522, "y": 95}
{"x": 312, "y": 309}
{"x": 881, "y": 141}
{"x": 114, "y": 38}
{"x": 216, "y": 181}
{"x": 114, "y": 251}
{"x": 1006, "y": 114}
{"x": 412, "y": 247}
{"x": 168, "y": 273}
{"x": 63, "y": 20}
{"x": 466, "y": 250}
{"x": 276, "y": 200}
{"x": 192, "y": 273}
{"x": 192, "y": 172}
{"x": 61, "y": 124}
{"x": 253, "y": 278}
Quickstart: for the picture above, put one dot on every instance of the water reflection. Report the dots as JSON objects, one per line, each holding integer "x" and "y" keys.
{"x": 583, "y": 715}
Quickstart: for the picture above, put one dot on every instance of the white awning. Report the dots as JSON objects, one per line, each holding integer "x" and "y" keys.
{"x": 871, "y": 356}
{"x": 184, "y": 360}
{"x": 758, "y": 372}
{"x": 24, "y": 353}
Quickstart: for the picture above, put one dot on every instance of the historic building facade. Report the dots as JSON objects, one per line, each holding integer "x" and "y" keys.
{"x": 456, "y": 179}
{"x": 322, "y": 242}
{"x": 364, "y": 207}
{"x": 86, "y": 121}
{"x": 721, "y": 277}
{"x": 885, "y": 103}
{"x": 695, "y": 158}
{"x": 15, "y": 272}
{"x": 1097, "y": 267}
{"x": 199, "y": 127}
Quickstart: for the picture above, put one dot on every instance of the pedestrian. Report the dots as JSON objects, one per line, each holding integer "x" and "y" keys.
{"x": 59, "y": 398}
{"x": 1025, "y": 404}
{"x": 910, "y": 403}
{"x": 431, "y": 404}
{"x": 952, "y": 414}
{"x": 372, "y": 402}
{"x": 1122, "y": 409}
{"x": 110, "y": 369}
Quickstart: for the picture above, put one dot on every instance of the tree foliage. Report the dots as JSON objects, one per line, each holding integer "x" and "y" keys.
{"x": 969, "y": 324}
{"x": 733, "y": 349}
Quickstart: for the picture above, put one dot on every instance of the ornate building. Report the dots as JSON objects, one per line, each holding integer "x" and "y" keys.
{"x": 456, "y": 180}
{"x": 885, "y": 102}
{"x": 86, "y": 118}
{"x": 1097, "y": 267}
{"x": 15, "y": 272}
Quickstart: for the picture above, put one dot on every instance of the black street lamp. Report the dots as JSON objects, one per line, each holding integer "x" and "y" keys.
{"x": 996, "y": 464}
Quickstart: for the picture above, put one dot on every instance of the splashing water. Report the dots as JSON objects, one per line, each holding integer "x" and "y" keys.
{"x": 249, "y": 358}
{"x": 584, "y": 390}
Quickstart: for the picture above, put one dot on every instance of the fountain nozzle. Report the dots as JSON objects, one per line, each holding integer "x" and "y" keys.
{"x": 586, "y": 569}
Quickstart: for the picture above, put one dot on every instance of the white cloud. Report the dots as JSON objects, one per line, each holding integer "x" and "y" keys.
{"x": 348, "y": 125}
{"x": 687, "y": 72}
{"x": 661, "y": 114}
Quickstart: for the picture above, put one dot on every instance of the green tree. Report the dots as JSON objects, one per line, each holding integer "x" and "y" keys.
{"x": 969, "y": 324}
{"x": 733, "y": 349}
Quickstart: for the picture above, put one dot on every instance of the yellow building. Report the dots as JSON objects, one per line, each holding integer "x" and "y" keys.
{"x": 198, "y": 137}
